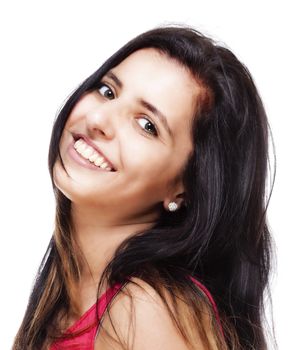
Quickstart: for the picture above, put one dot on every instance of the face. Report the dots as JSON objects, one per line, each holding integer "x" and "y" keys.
{"x": 139, "y": 118}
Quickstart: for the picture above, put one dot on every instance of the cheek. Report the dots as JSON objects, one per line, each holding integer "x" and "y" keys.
{"x": 72, "y": 119}
{"x": 64, "y": 143}
{"x": 60, "y": 179}
{"x": 150, "y": 171}
{"x": 142, "y": 157}
{"x": 78, "y": 111}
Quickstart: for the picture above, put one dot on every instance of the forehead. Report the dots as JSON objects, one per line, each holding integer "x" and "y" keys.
{"x": 162, "y": 81}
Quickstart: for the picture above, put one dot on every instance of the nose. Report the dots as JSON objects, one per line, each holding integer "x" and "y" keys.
{"x": 101, "y": 120}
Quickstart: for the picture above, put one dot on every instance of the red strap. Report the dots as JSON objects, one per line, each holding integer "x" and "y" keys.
{"x": 104, "y": 300}
{"x": 212, "y": 301}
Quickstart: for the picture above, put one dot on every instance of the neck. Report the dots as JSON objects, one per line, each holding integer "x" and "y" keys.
{"x": 99, "y": 236}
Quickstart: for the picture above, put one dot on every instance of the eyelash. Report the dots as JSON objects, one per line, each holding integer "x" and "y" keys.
{"x": 155, "y": 133}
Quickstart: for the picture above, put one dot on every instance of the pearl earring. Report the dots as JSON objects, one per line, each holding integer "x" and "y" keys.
{"x": 173, "y": 206}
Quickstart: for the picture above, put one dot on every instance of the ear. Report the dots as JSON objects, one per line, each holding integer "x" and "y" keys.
{"x": 177, "y": 196}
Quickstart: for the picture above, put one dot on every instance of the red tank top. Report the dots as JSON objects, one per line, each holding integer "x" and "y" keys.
{"x": 85, "y": 341}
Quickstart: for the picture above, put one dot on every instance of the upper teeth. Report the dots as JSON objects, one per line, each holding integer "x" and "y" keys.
{"x": 91, "y": 154}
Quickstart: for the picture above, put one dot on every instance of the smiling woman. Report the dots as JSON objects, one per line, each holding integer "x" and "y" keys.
{"x": 158, "y": 164}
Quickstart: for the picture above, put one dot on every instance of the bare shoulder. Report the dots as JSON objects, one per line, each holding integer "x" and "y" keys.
{"x": 141, "y": 319}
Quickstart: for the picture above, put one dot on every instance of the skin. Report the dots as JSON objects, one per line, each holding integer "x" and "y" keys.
{"x": 107, "y": 207}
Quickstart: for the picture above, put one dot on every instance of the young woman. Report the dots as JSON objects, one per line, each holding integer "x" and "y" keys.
{"x": 158, "y": 162}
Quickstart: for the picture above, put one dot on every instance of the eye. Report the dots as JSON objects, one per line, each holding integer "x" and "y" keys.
{"x": 148, "y": 126}
{"x": 105, "y": 91}
{"x": 145, "y": 123}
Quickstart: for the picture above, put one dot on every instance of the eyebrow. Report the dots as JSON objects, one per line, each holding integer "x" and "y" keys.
{"x": 144, "y": 103}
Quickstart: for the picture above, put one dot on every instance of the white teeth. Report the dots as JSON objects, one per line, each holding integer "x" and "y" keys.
{"x": 104, "y": 165}
{"x": 89, "y": 153}
{"x": 81, "y": 147}
{"x": 77, "y": 144}
{"x": 99, "y": 160}
{"x": 93, "y": 157}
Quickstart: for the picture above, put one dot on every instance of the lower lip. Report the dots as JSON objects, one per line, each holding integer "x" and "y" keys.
{"x": 82, "y": 161}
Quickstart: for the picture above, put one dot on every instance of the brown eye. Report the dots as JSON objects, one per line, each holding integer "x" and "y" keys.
{"x": 105, "y": 91}
{"x": 148, "y": 126}
{"x": 145, "y": 123}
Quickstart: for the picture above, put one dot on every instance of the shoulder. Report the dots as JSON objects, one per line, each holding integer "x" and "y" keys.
{"x": 142, "y": 320}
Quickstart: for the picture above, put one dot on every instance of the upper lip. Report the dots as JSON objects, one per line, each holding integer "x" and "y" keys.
{"x": 91, "y": 143}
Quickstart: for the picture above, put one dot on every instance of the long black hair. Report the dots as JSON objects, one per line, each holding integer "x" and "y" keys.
{"x": 220, "y": 235}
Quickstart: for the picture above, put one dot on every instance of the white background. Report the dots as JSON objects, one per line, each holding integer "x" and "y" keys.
{"x": 47, "y": 49}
